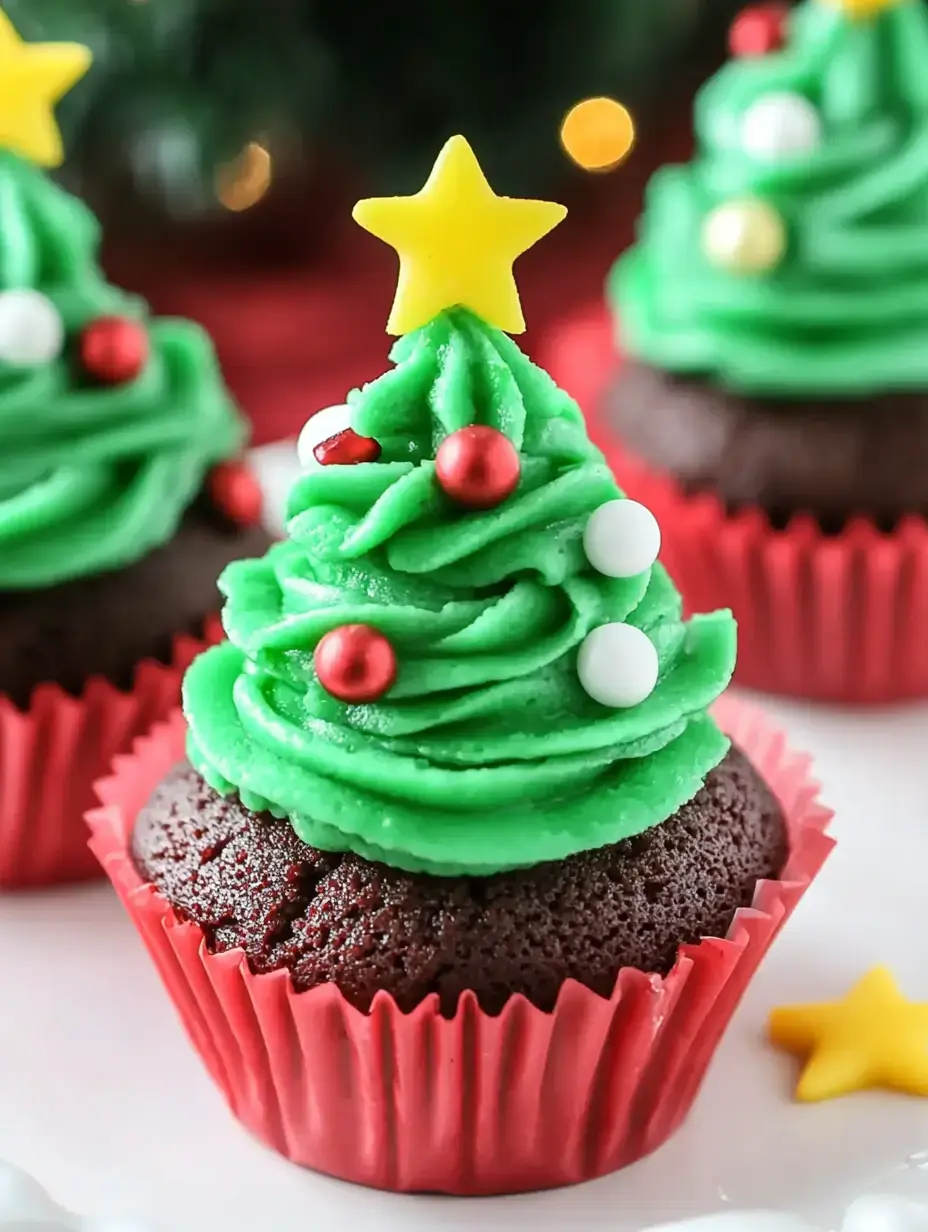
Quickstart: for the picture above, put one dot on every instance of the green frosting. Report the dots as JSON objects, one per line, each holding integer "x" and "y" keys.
{"x": 93, "y": 478}
{"x": 847, "y": 310}
{"x": 486, "y": 754}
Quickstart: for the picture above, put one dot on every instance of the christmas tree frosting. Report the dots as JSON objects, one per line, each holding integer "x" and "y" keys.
{"x": 790, "y": 257}
{"x": 109, "y": 421}
{"x": 464, "y": 658}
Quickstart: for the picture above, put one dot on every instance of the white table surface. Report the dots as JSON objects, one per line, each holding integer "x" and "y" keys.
{"x": 102, "y": 1098}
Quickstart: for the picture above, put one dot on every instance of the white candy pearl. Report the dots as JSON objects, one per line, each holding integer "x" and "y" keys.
{"x": 886, "y": 1214}
{"x": 23, "y": 1199}
{"x": 781, "y": 126}
{"x": 31, "y": 329}
{"x": 618, "y": 666}
{"x": 321, "y": 427}
{"x": 622, "y": 539}
{"x": 745, "y": 237}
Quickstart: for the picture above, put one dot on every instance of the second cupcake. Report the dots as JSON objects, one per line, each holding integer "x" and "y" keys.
{"x": 120, "y": 495}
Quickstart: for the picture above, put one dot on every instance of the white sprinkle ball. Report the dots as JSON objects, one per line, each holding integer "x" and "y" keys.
{"x": 622, "y": 539}
{"x": 885, "y": 1213}
{"x": 319, "y": 428}
{"x": 745, "y": 237}
{"x": 31, "y": 329}
{"x": 781, "y": 126}
{"x": 618, "y": 666}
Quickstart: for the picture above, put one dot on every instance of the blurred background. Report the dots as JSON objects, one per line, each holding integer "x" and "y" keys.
{"x": 222, "y": 143}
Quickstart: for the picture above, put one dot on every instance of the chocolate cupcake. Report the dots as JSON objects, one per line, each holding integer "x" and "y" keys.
{"x": 250, "y": 883}
{"x": 772, "y": 401}
{"x": 452, "y": 786}
{"x": 120, "y": 500}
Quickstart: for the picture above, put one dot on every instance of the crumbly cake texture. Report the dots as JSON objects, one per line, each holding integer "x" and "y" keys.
{"x": 247, "y": 880}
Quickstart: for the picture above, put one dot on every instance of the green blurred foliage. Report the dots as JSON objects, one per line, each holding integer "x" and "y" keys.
{"x": 179, "y": 86}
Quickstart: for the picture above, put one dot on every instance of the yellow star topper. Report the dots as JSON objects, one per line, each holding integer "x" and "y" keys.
{"x": 874, "y": 1037}
{"x": 861, "y": 10}
{"x": 33, "y": 77}
{"x": 457, "y": 242}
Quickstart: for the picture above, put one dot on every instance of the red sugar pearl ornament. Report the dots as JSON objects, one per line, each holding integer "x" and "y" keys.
{"x": 759, "y": 30}
{"x": 355, "y": 663}
{"x": 114, "y": 350}
{"x": 478, "y": 467}
{"x": 347, "y": 449}
{"x": 236, "y": 493}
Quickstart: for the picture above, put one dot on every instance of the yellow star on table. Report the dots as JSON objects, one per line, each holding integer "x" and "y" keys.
{"x": 457, "y": 242}
{"x": 33, "y": 77}
{"x": 861, "y": 10}
{"x": 874, "y": 1037}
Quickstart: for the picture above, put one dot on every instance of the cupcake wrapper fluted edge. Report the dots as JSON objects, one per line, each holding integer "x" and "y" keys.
{"x": 829, "y": 617}
{"x": 52, "y": 753}
{"x": 473, "y": 1104}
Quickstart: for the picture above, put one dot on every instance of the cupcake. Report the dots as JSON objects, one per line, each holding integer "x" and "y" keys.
{"x": 121, "y": 498}
{"x": 771, "y": 400}
{"x": 431, "y": 853}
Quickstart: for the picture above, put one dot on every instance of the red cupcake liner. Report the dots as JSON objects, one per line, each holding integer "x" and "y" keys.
{"x": 52, "y": 754}
{"x": 473, "y": 1104}
{"x": 833, "y": 618}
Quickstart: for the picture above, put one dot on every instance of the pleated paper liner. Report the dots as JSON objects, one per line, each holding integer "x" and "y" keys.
{"x": 52, "y": 754}
{"x": 829, "y": 617}
{"x": 473, "y": 1104}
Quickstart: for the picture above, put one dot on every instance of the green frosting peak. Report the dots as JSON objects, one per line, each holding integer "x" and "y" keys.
{"x": 486, "y": 754}
{"x": 846, "y": 310}
{"x": 94, "y": 477}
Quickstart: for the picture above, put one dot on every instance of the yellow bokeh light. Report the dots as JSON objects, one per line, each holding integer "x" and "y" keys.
{"x": 245, "y": 181}
{"x": 598, "y": 133}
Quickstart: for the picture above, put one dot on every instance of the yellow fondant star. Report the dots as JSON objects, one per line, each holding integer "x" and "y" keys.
{"x": 861, "y": 10}
{"x": 874, "y": 1037}
{"x": 457, "y": 241}
{"x": 33, "y": 77}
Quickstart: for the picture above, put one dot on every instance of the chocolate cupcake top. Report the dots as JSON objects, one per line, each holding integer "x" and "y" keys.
{"x": 464, "y": 658}
{"x": 790, "y": 258}
{"x": 109, "y": 421}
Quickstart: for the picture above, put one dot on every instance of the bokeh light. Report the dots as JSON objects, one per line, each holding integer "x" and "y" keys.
{"x": 243, "y": 182}
{"x": 598, "y": 133}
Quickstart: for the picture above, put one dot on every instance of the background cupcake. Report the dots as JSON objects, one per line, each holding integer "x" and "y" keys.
{"x": 113, "y": 518}
{"x": 773, "y": 316}
{"x": 455, "y": 816}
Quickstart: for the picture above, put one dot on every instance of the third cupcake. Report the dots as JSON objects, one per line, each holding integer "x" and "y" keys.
{"x": 772, "y": 400}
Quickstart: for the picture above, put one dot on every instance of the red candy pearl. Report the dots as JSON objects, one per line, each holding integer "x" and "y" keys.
{"x": 477, "y": 467}
{"x": 346, "y": 449}
{"x": 759, "y": 30}
{"x": 235, "y": 491}
{"x": 355, "y": 663}
{"x": 114, "y": 350}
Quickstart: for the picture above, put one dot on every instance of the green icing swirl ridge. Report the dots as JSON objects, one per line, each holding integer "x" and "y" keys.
{"x": 847, "y": 310}
{"x": 487, "y": 754}
{"x": 93, "y": 478}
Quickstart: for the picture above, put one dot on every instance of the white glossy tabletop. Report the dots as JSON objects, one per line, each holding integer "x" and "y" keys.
{"x": 102, "y": 1098}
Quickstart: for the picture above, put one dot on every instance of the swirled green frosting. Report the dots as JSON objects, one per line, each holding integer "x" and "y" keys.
{"x": 847, "y": 310}
{"x": 486, "y": 754}
{"x": 92, "y": 478}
